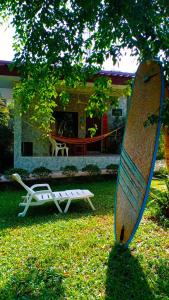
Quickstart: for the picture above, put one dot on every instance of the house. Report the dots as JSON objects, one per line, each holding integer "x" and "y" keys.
{"x": 32, "y": 150}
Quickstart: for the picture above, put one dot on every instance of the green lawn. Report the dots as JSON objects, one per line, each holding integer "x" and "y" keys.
{"x": 47, "y": 255}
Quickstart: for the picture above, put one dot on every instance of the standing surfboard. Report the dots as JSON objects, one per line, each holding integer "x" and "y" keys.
{"x": 139, "y": 150}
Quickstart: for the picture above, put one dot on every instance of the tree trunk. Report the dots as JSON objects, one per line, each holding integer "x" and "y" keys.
{"x": 166, "y": 146}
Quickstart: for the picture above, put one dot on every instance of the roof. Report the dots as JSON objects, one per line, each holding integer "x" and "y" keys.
{"x": 117, "y": 77}
{"x": 4, "y": 68}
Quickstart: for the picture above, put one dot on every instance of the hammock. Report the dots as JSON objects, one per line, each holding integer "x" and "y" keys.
{"x": 83, "y": 141}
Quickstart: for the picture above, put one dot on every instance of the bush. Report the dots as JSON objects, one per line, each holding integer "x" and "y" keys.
{"x": 92, "y": 170}
{"x": 164, "y": 201}
{"x": 159, "y": 205}
{"x": 41, "y": 172}
{"x": 70, "y": 171}
{"x": 161, "y": 173}
{"x": 160, "y": 153}
{"x": 111, "y": 169}
{"x": 22, "y": 172}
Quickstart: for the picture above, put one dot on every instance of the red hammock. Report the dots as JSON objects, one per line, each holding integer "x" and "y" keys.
{"x": 82, "y": 141}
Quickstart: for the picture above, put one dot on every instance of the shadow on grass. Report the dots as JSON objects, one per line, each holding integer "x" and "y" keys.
{"x": 48, "y": 213}
{"x": 35, "y": 279}
{"x": 125, "y": 277}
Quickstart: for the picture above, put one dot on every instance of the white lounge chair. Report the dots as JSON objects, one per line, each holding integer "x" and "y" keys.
{"x": 38, "y": 197}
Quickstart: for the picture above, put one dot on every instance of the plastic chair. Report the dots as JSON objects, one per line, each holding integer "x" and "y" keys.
{"x": 56, "y": 147}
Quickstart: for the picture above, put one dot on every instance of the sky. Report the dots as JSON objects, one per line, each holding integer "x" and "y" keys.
{"x": 127, "y": 63}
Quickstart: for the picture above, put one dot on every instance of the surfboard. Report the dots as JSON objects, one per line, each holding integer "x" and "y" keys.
{"x": 139, "y": 149}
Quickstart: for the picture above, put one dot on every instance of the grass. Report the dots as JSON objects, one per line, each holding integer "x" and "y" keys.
{"x": 51, "y": 256}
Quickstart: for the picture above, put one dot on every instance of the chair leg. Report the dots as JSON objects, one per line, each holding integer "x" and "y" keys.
{"x": 56, "y": 152}
{"x": 53, "y": 151}
{"x": 67, "y": 149}
{"x": 23, "y": 213}
{"x": 67, "y": 205}
{"x": 58, "y": 206}
{"x": 90, "y": 203}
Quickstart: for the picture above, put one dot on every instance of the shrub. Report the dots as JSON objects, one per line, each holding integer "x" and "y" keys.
{"x": 159, "y": 205}
{"x": 112, "y": 168}
{"x": 164, "y": 201}
{"x": 160, "y": 153}
{"x": 41, "y": 172}
{"x": 92, "y": 169}
{"x": 70, "y": 171}
{"x": 161, "y": 173}
{"x": 22, "y": 172}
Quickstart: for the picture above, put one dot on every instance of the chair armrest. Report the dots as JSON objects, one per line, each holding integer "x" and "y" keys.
{"x": 41, "y": 185}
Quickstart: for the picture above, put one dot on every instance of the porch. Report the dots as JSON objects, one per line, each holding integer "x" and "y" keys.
{"x": 33, "y": 150}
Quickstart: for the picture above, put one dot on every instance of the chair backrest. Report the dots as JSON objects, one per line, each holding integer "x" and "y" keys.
{"x": 17, "y": 177}
{"x": 54, "y": 143}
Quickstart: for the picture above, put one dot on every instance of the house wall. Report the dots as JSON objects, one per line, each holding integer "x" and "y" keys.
{"x": 122, "y": 104}
{"x": 58, "y": 162}
{"x": 32, "y": 134}
{"x": 6, "y": 93}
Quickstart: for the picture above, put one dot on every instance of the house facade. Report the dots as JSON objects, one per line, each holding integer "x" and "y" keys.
{"x": 32, "y": 150}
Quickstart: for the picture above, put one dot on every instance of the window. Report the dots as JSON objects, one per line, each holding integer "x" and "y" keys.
{"x": 27, "y": 149}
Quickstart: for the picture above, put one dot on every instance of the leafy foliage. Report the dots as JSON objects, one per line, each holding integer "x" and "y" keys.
{"x": 160, "y": 153}
{"x": 70, "y": 171}
{"x": 41, "y": 172}
{"x": 4, "y": 113}
{"x": 66, "y": 42}
{"x": 112, "y": 168}
{"x": 159, "y": 204}
{"x": 22, "y": 172}
{"x": 161, "y": 173}
{"x": 92, "y": 170}
{"x": 164, "y": 118}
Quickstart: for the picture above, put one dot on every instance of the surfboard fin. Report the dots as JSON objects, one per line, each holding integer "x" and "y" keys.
{"x": 122, "y": 234}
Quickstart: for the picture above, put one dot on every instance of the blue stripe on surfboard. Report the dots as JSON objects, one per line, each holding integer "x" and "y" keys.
{"x": 136, "y": 193}
{"x": 133, "y": 178}
{"x": 153, "y": 161}
{"x": 136, "y": 172}
{"x": 128, "y": 193}
{"x": 129, "y": 200}
{"x": 129, "y": 180}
